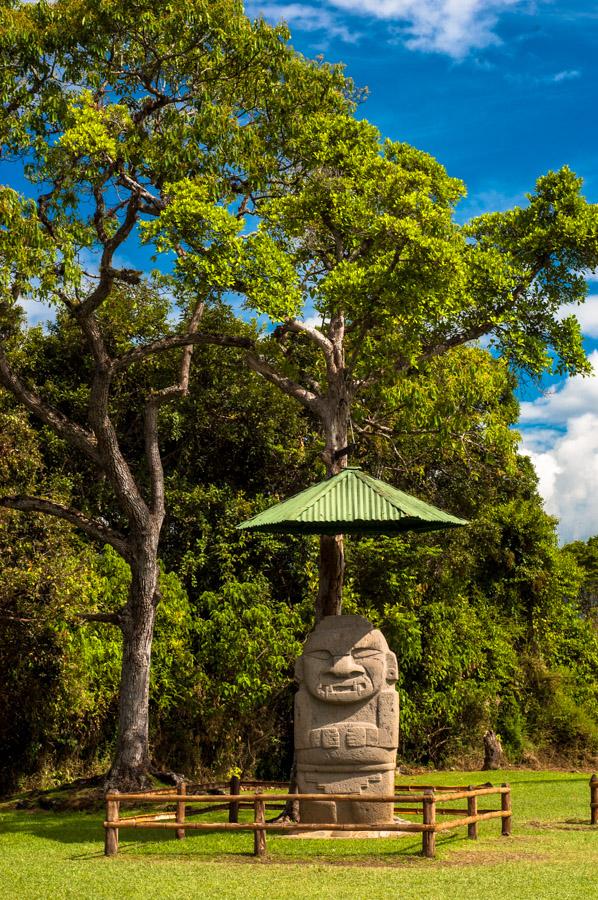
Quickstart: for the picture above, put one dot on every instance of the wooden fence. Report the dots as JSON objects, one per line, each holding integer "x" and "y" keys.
{"x": 424, "y": 800}
{"x": 594, "y": 800}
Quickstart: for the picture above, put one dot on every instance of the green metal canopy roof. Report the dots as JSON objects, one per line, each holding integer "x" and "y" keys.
{"x": 351, "y": 502}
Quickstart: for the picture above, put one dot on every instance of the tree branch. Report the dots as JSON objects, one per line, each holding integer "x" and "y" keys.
{"x": 22, "y": 620}
{"x": 152, "y": 203}
{"x": 93, "y": 528}
{"x": 179, "y": 340}
{"x": 258, "y": 364}
{"x": 107, "y": 273}
{"x": 154, "y": 401}
{"x": 474, "y": 332}
{"x": 75, "y": 435}
{"x": 153, "y": 456}
{"x": 455, "y": 340}
{"x": 312, "y": 333}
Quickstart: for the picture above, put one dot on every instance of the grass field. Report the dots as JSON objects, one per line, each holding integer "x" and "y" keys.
{"x": 553, "y": 853}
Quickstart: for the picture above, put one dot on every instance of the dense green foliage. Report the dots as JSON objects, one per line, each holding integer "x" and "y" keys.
{"x": 585, "y": 554}
{"x": 486, "y": 621}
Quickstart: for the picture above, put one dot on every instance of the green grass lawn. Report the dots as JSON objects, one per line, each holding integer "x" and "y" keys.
{"x": 553, "y": 853}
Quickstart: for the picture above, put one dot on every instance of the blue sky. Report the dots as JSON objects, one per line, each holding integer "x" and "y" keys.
{"x": 499, "y": 91}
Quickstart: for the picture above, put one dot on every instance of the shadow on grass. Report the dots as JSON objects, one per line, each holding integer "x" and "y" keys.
{"x": 85, "y": 834}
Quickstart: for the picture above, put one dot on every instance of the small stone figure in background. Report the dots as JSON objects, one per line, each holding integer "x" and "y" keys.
{"x": 346, "y": 720}
{"x": 493, "y": 753}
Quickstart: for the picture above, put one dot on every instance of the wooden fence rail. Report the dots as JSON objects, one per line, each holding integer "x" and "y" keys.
{"x": 594, "y": 800}
{"x": 427, "y": 803}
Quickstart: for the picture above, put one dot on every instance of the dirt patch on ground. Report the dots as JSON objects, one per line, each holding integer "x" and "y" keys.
{"x": 521, "y": 849}
{"x": 565, "y": 825}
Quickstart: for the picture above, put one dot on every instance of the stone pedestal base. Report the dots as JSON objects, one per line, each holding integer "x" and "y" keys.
{"x": 345, "y": 812}
{"x": 348, "y": 835}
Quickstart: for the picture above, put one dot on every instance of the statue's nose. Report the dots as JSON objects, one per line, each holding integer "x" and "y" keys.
{"x": 345, "y": 667}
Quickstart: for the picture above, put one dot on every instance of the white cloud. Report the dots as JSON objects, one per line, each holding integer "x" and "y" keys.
{"x": 306, "y": 18}
{"x": 541, "y": 439}
{"x": 528, "y": 78}
{"x": 560, "y": 434}
{"x": 568, "y": 478}
{"x": 314, "y": 321}
{"x": 36, "y": 312}
{"x": 453, "y": 27}
{"x": 587, "y": 315}
{"x": 578, "y": 395}
{"x": 566, "y": 75}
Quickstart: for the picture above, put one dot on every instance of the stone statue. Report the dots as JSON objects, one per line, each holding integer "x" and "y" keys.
{"x": 346, "y": 720}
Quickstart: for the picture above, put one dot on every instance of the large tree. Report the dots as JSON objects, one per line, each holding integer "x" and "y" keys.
{"x": 103, "y": 106}
{"x": 368, "y": 278}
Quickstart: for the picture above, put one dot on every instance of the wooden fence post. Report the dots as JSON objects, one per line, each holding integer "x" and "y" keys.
{"x": 259, "y": 835}
{"x": 429, "y": 837}
{"x": 181, "y": 790}
{"x": 594, "y": 800}
{"x": 111, "y": 833}
{"x": 472, "y": 810}
{"x": 233, "y": 808}
{"x": 505, "y": 805}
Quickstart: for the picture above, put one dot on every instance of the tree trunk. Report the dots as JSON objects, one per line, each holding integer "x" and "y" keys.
{"x": 130, "y": 770}
{"x": 332, "y": 553}
{"x": 331, "y": 572}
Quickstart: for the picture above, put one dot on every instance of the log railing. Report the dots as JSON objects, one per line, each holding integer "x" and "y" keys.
{"x": 594, "y": 800}
{"x": 428, "y": 802}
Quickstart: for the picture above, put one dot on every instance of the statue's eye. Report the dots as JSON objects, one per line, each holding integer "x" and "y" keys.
{"x": 318, "y": 654}
{"x": 364, "y": 653}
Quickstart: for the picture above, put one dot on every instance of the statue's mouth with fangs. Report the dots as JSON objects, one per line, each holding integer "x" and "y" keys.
{"x": 345, "y": 690}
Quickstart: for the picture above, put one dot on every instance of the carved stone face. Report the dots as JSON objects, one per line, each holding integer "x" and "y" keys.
{"x": 345, "y": 660}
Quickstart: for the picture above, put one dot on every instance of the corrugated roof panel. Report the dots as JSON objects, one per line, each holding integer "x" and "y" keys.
{"x": 351, "y": 501}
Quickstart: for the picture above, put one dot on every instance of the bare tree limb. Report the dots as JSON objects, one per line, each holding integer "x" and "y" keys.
{"x": 455, "y": 340}
{"x": 72, "y": 432}
{"x": 154, "y": 401}
{"x": 258, "y": 364}
{"x": 107, "y": 273}
{"x": 314, "y": 334}
{"x": 152, "y": 203}
{"x": 91, "y": 527}
{"x": 179, "y": 340}
{"x": 153, "y": 456}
